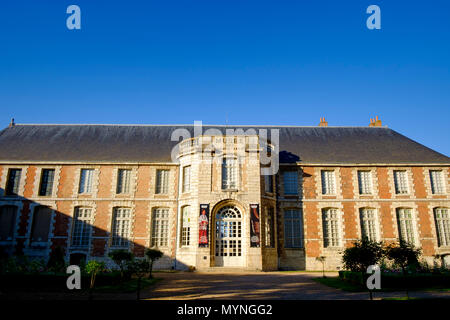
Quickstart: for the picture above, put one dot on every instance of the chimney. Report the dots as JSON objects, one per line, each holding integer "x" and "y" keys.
{"x": 12, "y": 124}
{"x": 323, "y": 123}
{"x": 375, "y": 122}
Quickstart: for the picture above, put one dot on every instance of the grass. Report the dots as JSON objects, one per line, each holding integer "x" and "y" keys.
{"x": 127, "y": 286}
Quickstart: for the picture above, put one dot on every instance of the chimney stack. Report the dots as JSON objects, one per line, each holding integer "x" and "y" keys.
{"x": 375, "y": 122}
{"x": 12, "y": 124}
{"x": 323, "y": 123}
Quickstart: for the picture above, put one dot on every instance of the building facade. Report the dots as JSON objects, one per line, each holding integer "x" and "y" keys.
{"x": 207, "y": 201}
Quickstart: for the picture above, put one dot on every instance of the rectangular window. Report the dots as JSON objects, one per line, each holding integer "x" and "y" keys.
{"x": 405, "y": 222}
{"x": 437, "y": 182}
{"x": 401, "y": 182}
{"x": 229, "y": 173}
{"x": 186, "y": 227}
{"x": 328, "y": 182}
{"x": 123, "y": 181}
{"x": 7, "y": 222}
{"x": 120, "y": 229}
{"x": 46, "y": 187}
{"x": 86, "y": 176}
{"x": 290, "y": 181}
{"x": 162, "y": 181}
{"x": 368, "y": 224}
{"x": 293, "y": 228}
{"x": 81, "y": 231}
{"x": 13, "y": 182}
{"x": 269, "y": 228}
{"x": 442, "y": 218}
{"x": 268, "y": 183}
{"x": 160, "y": 227}
{"x": 365, "y": 182}
{"x": 41, "y": 224}
{"x": 331, "y": 228}
{"x": 186, "y": 179}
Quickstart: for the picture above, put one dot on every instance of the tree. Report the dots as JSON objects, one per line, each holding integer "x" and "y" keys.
{"x": 363, "y": 254}
{"x": 93, "y": 267}
{"x": 152, "y": 255}
{"x": 122, "y": 258}
{"x": 139, "y": 268}
{"x": 322, "y": 260}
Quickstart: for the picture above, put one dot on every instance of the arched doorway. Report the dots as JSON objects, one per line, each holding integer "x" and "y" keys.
{"x": 228, "y": 237}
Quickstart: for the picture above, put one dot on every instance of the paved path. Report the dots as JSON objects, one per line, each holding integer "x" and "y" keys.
{"x": 261, "y": 285}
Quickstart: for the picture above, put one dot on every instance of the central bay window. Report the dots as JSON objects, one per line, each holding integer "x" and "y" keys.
{"x": 293, "y": 228}
{"x": 46, "y": 185}
{"x": 185, "y": 226}
{"x": 86, "y": 181}
{"x": 365, "y": 182}
{"x": 13, "y": 182}
{"x": 290, "y": 182}
{"x": 437, "y": 182}
{"x": 120, "y": 230}
{"x": 328, "y": 182}
{"x": 40, "y": 227}
{"x": 81, "y": 231}
{"x": 442, "y": 218}
{"x": 123, "y": 181}
{"x": 368, "y": 224}
{"x": 331, "y": 228}
{"x": 406, "y": 227}
{"x": 160, "y": 227}
{"x": 7, "y": 222}
{"x": 401, "y": 182}
{"x": 229, "y": 173}
{"x": 162, "y": 181}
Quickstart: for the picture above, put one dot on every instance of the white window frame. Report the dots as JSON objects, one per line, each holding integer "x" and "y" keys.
{"x": 328, "y": 178}
{"x": 185, "y": 237}
{"x": 293, "y": 228}
{"x": 81, "y": 227}
{"x": 290, "y": 182}
{"x": 332, "y": 233}
{"x": 406, "y": 226}
{"x": 365, "y": 182}
{"x": 123, "y": 181}
{"x": 52, "y": 187}
{"x": 442, "y": 219}
{"x": 186, "y": 179}
{"x": 16, "y": 182}
{"x": 230, "y": 173}
{"x": 86, "y": 181}
{"x": 268, "y": 183}
{"x": 369, "y": 223}
{"x": 401, "y": 183}
{"x": 160, "y": 227}
{"x": 162, "y": 181}
{"x": 120, "y": 227}
{"x": 437, "y": 182}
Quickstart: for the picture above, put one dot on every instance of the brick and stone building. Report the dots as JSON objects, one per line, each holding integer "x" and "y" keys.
{"x": 206, "y": 199}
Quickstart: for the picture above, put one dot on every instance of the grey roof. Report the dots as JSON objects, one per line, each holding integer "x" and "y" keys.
{"x": 152, "y": 143}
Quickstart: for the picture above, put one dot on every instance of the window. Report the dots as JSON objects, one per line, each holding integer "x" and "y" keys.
{"x": 365, "y": 182}
{"x": 401, "y": 182}
{"x": 123, "y": 181}
{"x": 229, "y": 173}
{"x": 437, "y": 183}
{"x": 86, "y": 181}
{"x": 290, "y": 180}
{"x": 186, "y": 226}
{"x": 331, "y": 228}
{"x": 81, "y": 231}
{"x": 46, "y": 187}
{"x": 41, "y": 224}
{"x": 368, "y": 224}
{"x": 187, "y": 179}
{"x": 269, "y": 228}
{"x": 268, "y": 183}
{"x": 160, "y": 227}
{"x": 328, "y": 182}
{"x": 7, "y": 222}
{"x": 162, "y": 181}
{"x": 405, "y": 222}
{"x": 442, "y": 218}
{"x": 13, "y": 182}
{"x": 120, "y": 229}
{"x": 293, "y": 228}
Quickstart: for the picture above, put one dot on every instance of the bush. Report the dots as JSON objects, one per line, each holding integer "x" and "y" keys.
{"x": 404, "y": 255}
{"x": 56, "y": 261}
{"x": 363, "y": 254}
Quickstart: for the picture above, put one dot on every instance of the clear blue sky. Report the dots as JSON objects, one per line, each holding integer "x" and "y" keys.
{"x": 253, "y": 62}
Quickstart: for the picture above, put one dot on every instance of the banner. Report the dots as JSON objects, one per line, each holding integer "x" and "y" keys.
{"x": 254, "y": 226}
{"x": 203, "y": 225}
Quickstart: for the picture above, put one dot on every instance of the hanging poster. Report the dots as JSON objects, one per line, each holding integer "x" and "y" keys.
{"x": 203, "y": 225}
{"x": 254, "y": 226}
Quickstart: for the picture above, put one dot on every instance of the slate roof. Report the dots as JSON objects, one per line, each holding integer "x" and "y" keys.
{"x": 151, "y": 143}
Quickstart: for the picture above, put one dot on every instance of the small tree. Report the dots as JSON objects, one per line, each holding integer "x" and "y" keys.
{"x": 322, "y": 260}
{"x": 139, "y": 268}
{"x": 363, "y": 254}
{"x": 93, "y": 268}
{"x": 152, "y": 255}
{"x": 122, "y": 258}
